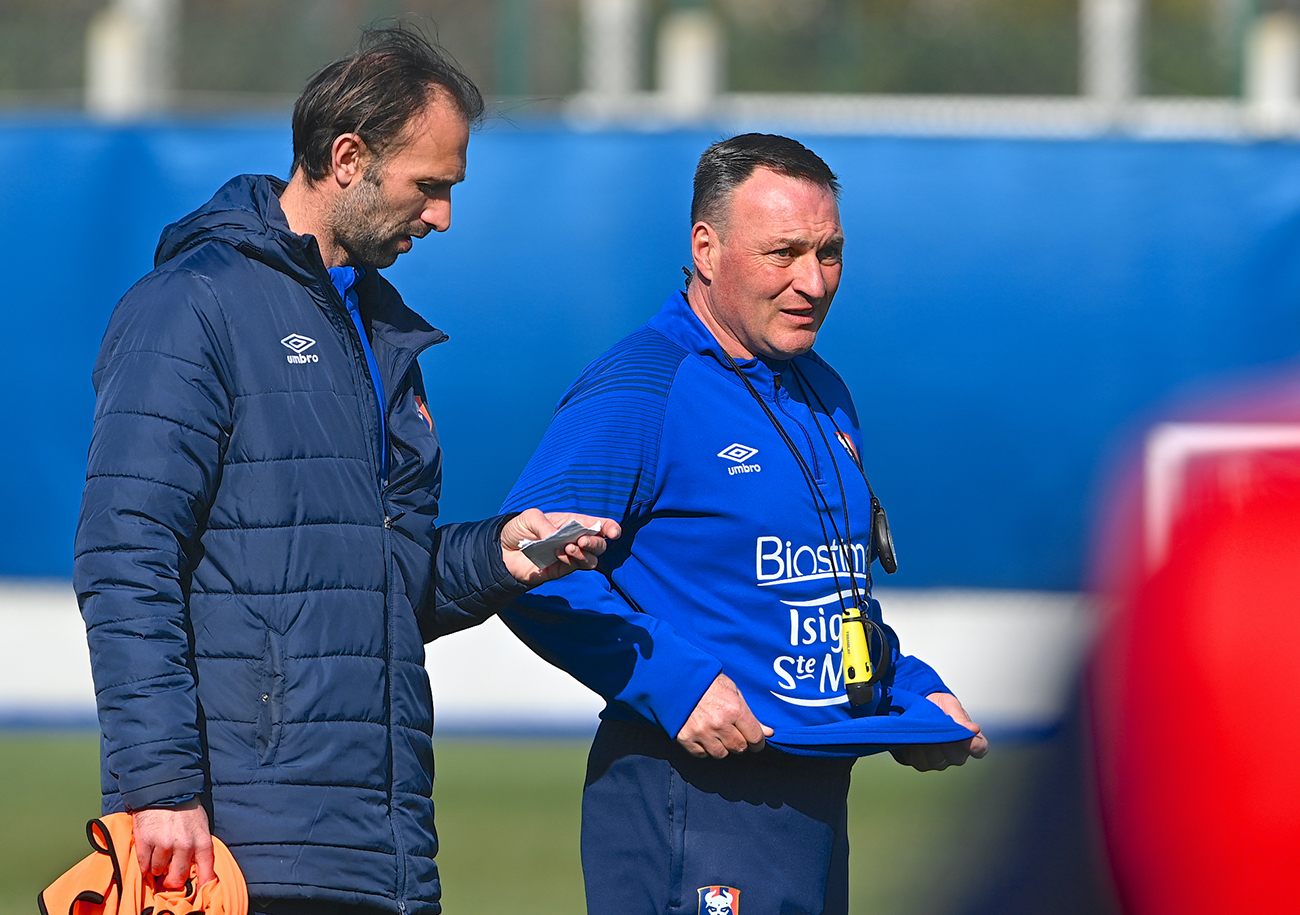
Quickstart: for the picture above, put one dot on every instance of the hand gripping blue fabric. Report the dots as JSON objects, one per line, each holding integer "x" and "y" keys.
{"x": 911, "y": 719}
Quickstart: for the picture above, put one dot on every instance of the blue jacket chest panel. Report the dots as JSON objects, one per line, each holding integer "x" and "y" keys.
{"x": 765, "y": 558}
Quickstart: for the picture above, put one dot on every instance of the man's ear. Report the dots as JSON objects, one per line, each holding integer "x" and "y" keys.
{"x": 704, "y": 250}
{"x": 348, "y": 156}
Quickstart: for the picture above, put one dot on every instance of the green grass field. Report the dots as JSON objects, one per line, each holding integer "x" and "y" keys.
{"x": 508, "y": 816}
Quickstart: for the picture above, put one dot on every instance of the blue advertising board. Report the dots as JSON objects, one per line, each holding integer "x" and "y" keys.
{"x": 1009, "y": 307}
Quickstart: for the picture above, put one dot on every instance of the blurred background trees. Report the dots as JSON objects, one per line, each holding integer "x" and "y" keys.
{"x": 249, "y": 54}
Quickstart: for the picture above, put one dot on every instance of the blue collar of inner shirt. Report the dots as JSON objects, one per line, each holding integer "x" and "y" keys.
{"x": 343, "y": 279}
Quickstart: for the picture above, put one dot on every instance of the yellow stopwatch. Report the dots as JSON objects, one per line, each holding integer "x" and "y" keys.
{"x": 863, "y": 666}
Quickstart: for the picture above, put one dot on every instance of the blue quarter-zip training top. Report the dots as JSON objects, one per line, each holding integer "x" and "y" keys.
{"x": 727, "y": 562}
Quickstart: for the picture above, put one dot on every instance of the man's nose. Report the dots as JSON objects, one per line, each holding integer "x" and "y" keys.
{"x": 810, "y": 281}
{"x": 437, "y": 214}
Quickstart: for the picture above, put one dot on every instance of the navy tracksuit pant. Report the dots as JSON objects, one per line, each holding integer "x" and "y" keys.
{"x": 758, "y": 833}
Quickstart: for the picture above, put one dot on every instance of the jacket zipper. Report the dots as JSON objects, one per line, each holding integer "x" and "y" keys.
{"x": 782, "y": 395}
{"x": 360, "y": 365}
{"x": 365, "y": 386}
{"x": 391, "y": 395}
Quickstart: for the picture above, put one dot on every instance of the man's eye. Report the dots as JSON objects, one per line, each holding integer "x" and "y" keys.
{"x": 831, "y": 256}
{"x": 784, "y": 252}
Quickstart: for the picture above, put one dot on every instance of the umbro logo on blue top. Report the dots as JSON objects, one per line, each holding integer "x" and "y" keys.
{"x": 737, "y": 452}
{"x": 298, "y": 343}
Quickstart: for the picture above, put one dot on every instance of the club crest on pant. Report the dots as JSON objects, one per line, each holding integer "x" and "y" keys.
{"x": 719, "y": 900}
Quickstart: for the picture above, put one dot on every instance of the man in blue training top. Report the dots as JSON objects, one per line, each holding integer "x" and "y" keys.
{"x": 257, "y": 561}
{"x": 729, "y": 452}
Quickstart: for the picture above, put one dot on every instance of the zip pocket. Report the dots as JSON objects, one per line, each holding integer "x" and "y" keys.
{"x": 270, "y": 701}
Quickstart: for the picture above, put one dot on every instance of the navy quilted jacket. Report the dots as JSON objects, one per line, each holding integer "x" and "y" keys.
{"x": 256, "y": 599}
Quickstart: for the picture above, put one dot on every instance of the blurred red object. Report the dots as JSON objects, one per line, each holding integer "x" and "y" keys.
{"x": 1194, "y": 675}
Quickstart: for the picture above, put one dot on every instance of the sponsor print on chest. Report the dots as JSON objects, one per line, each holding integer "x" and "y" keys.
{"x": 807, "y": 668}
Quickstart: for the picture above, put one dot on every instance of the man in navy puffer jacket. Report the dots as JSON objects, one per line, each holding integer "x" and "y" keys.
{"x": 257, "y": 560}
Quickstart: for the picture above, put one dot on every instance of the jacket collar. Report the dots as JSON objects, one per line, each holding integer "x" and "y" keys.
{"x": 246, "y": 214}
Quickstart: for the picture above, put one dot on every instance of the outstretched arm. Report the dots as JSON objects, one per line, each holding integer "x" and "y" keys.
{"x": 479, "y": 568}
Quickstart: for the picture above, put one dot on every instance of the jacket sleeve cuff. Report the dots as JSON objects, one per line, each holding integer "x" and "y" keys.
{"x": 166, "y": 794}
{"x": 470, "y": 578}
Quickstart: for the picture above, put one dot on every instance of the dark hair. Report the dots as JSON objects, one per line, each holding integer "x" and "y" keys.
{"x": 374, "y": 93}
{"x": 727, "y": 163}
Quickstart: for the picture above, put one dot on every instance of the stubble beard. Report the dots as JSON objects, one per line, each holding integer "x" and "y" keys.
{"x": 361, "y": 228}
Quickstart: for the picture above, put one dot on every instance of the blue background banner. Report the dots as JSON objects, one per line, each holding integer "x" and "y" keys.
{"x": 1009, "y": 307}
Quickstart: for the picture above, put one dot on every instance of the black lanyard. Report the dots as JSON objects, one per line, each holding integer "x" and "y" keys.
{"x": 879, "y": 541}
{"x": 819, "y": 500}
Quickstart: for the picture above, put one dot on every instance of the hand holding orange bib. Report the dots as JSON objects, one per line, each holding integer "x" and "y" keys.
{"x": 109, "y": 881}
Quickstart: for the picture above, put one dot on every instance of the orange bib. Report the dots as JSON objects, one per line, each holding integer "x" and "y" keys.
{"x": 109, "y": 881}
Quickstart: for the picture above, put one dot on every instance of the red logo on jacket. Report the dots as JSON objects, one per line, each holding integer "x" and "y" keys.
{"x": 424, "y": 411}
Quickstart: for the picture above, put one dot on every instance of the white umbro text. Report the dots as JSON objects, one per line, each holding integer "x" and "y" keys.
{"x": 298, "y": 343}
